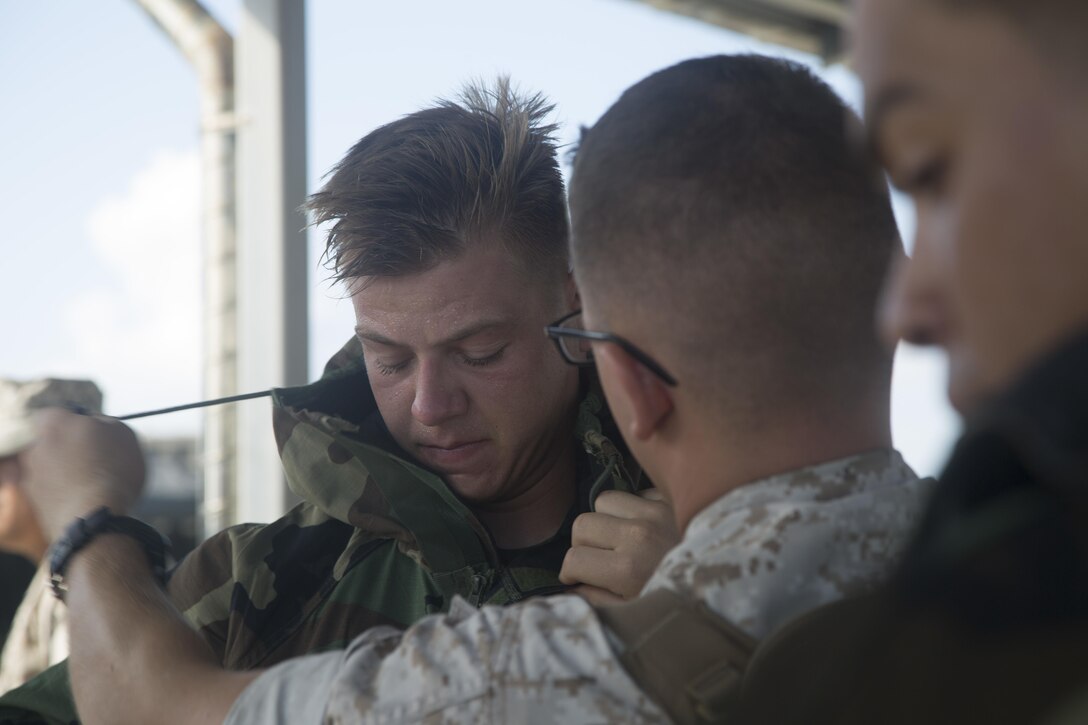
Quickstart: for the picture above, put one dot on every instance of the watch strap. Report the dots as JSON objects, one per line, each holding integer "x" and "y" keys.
{"x": 83, "y": 530}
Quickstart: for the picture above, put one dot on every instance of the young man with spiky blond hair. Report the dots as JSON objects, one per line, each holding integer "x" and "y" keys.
{"x": 447, "y": 451}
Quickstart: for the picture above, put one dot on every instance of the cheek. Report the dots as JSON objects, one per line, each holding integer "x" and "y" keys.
{"x": 1010, "y": 281}
{"x": 968, "y": 256}
{"x": 394, "y": 400}
{"x": 526, "y": 394}
{"x": 996, "y": 257}
{"x": 986, "y": 229}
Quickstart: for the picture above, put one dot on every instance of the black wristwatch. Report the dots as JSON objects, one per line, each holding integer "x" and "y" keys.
{"x": 101, "y": 521}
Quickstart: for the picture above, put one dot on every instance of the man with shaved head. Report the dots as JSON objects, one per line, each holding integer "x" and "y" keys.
{"x": 768, "y": 239}
{"x": 729, "y": 246}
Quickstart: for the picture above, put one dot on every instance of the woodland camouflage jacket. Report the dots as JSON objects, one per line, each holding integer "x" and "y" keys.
{"x": 376, "y": 540}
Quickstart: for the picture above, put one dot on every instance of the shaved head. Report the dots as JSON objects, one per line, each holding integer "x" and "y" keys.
{"x": 722, "y": 209}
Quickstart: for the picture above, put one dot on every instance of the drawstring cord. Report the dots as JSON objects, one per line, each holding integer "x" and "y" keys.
{"x": 201, "y": 404}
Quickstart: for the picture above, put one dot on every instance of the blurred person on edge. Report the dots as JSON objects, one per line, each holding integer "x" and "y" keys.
{"x": 39, "y": 633}
{"x": 979, "y": 110}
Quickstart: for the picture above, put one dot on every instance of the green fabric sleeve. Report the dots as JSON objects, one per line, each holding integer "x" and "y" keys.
{"x": 45, "y": 699}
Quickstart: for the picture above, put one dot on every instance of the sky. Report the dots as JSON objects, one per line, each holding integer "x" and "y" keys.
{"x": 99, "y": 174}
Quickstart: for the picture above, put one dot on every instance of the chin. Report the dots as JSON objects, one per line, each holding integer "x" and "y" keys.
{"x": 958, "y": 402}
{"x": 965, "y": 391}
{"x": 472, "y": 488}
{"x": 959, "y": 387}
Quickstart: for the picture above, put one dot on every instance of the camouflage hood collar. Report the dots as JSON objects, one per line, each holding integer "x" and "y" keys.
{"x": 339, "y": 457}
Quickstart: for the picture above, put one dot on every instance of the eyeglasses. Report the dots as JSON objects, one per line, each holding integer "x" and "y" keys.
{"x": 574, "y": 345}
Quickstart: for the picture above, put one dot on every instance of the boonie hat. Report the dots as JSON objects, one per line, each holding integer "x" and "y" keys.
{"x": 19, "y": 398}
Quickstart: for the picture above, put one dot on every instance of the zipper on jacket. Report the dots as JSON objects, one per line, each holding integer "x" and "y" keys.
{"x": 478, "y": 583}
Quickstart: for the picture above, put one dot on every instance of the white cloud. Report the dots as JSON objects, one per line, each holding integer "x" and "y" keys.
{"x": 137, "y": 332}
{"x": 154, "y": 227}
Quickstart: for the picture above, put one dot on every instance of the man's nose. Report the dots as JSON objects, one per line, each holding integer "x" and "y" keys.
{"x": 438, "y": 395}
{"x": 911, "y": 307}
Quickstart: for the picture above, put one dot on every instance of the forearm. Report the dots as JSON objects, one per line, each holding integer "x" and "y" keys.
{"x": 133, "y": 658}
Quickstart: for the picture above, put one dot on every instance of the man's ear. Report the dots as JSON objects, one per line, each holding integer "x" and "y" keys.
{"x": 648, "y": 399}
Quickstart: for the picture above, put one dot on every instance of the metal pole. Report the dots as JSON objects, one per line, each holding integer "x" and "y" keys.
{"x": 210, "y": 50}
{"x": 272, "y": 266}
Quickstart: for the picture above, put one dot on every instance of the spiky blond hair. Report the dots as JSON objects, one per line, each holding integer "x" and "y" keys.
{"x": 482, "y": 168}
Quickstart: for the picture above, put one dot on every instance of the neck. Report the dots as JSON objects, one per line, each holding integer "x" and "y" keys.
{"x": 712, "y": 462}
{"x": 537, "y": 512}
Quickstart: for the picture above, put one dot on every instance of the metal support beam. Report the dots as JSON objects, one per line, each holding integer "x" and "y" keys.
{"x": 209, "y": 48}
{"x": 813, "y": 26}
{"x": 272, "y": 266}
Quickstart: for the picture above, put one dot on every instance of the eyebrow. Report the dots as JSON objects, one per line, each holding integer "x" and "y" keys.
{"x": 462, "y": 334}
{"x": 885, "y": 103}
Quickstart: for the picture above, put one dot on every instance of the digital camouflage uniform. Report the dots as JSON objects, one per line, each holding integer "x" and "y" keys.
{"x": 759, "y": 556}
{"x": 378, "y": 540}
